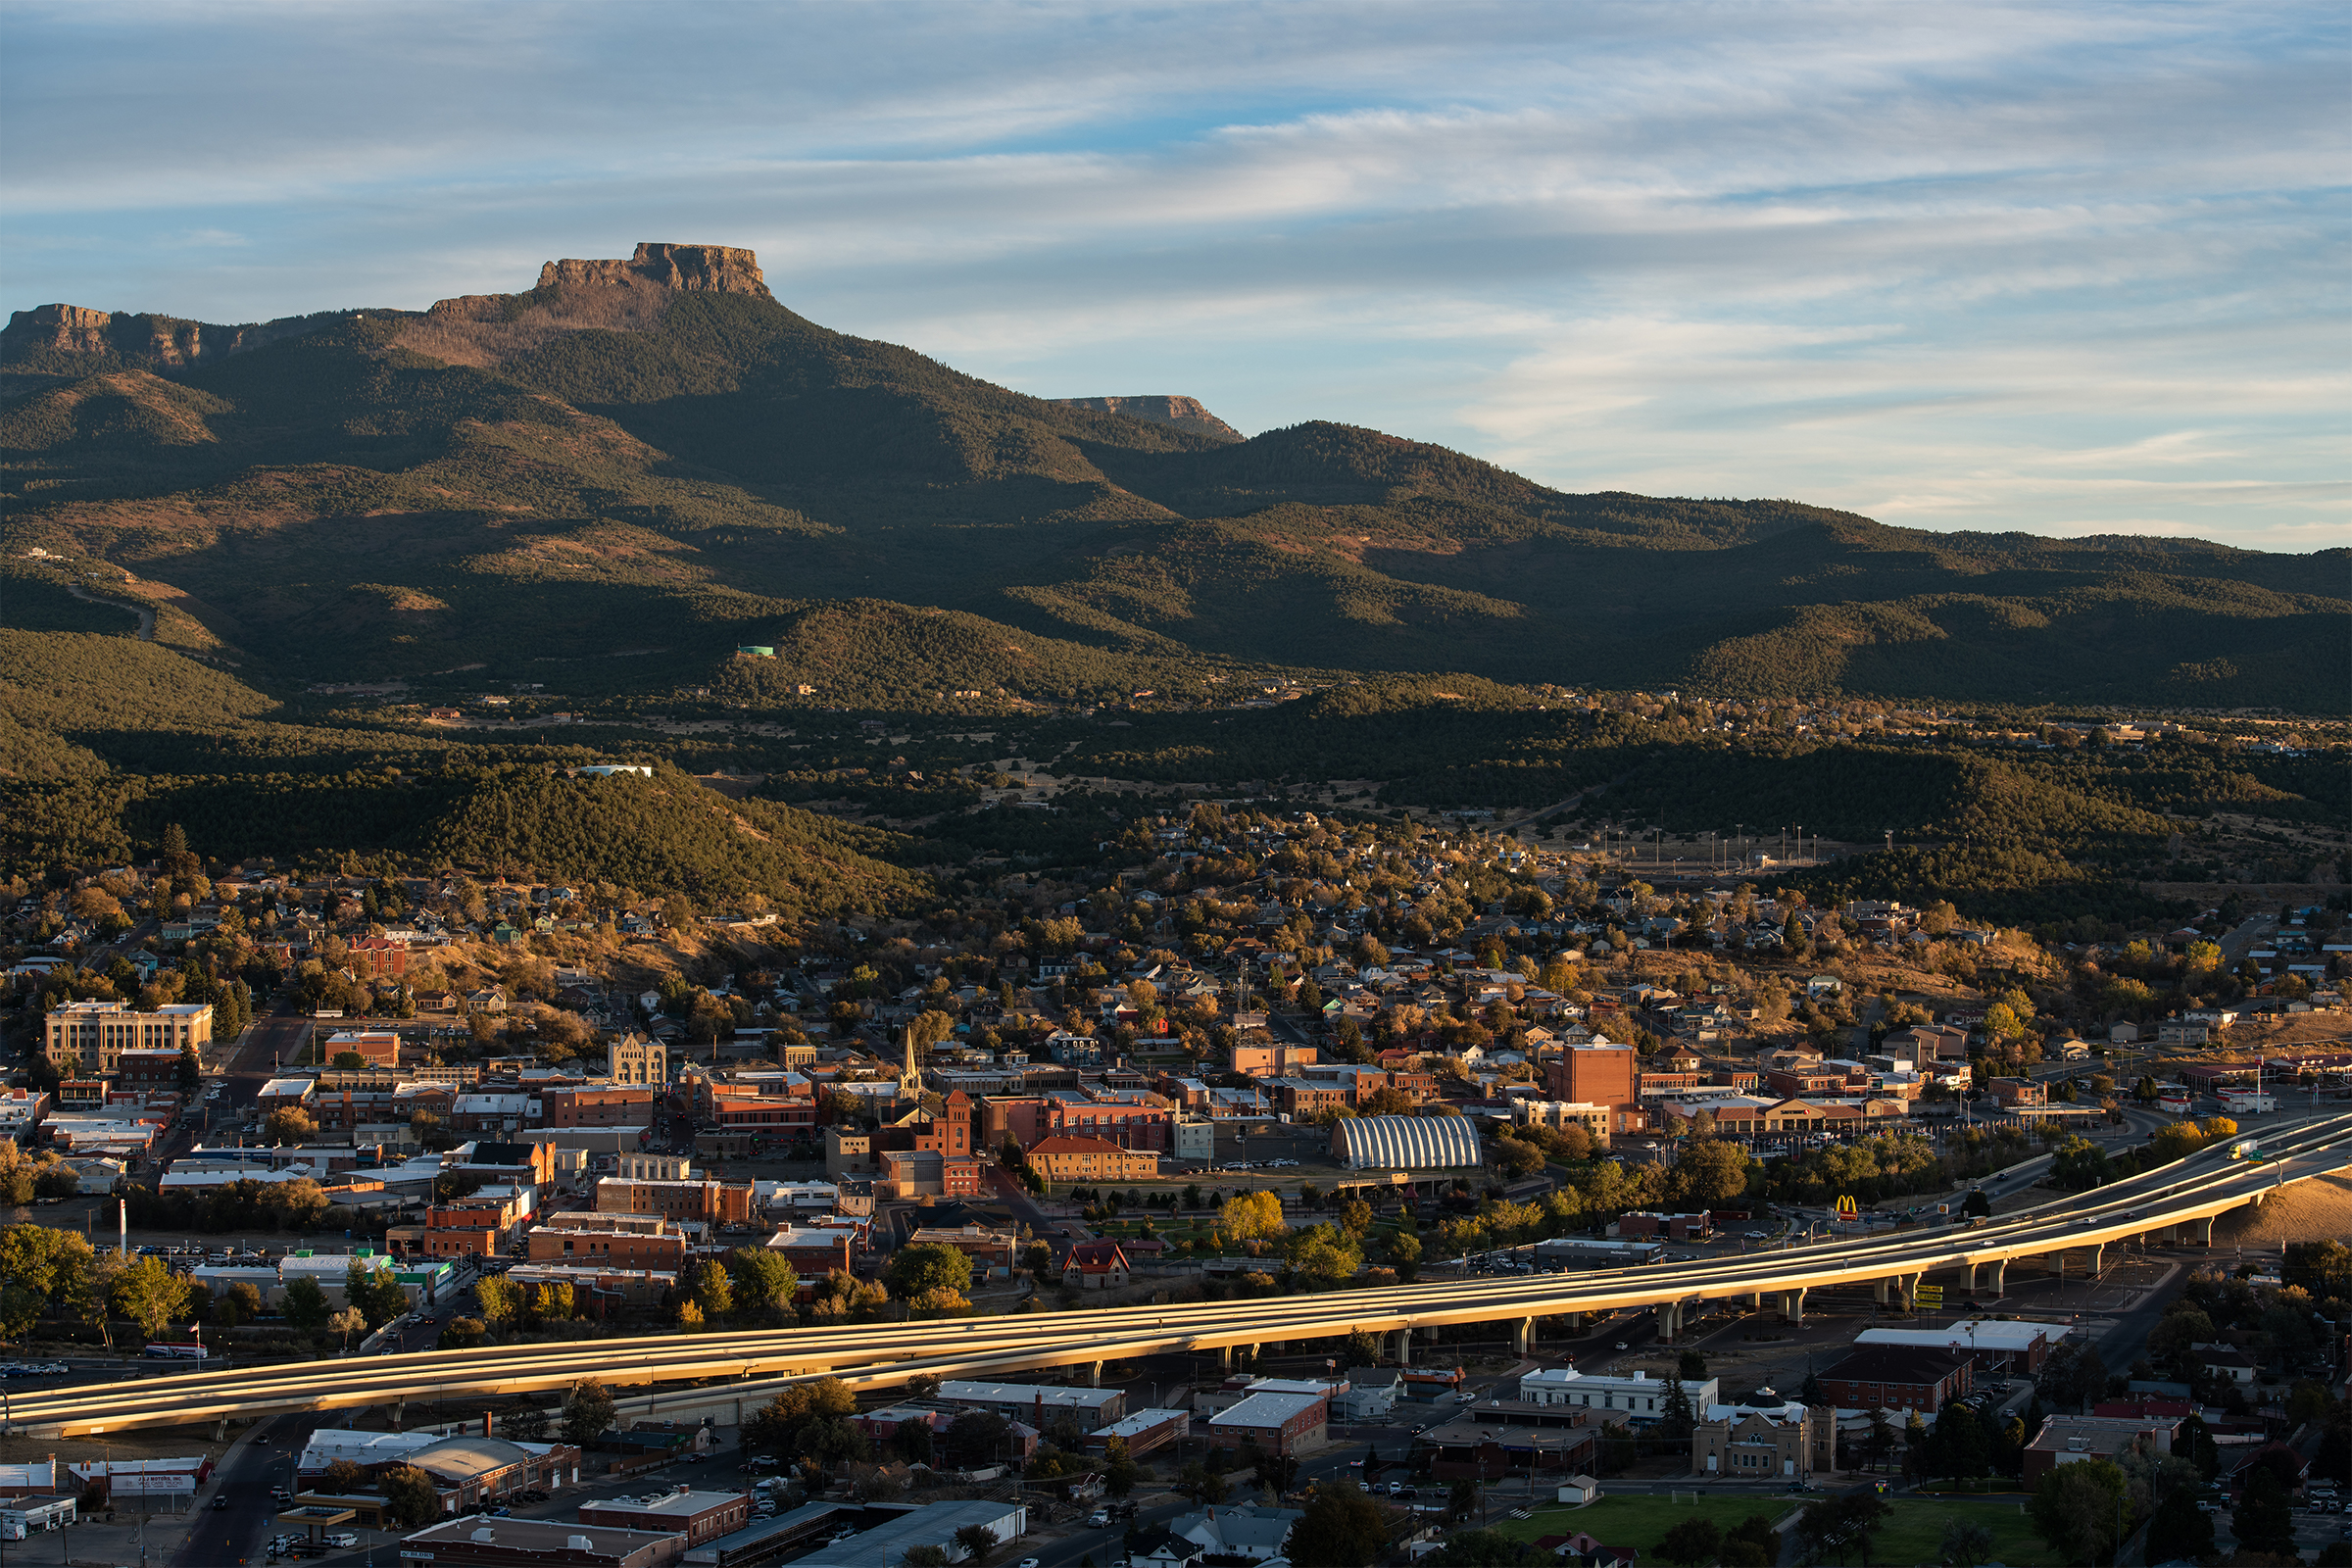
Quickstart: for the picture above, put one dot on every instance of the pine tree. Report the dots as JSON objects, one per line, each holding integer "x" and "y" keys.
{"x": 1677, "y": 1418}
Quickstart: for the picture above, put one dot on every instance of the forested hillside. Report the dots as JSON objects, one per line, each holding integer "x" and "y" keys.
{"x": 603, "y": 491}
{"x": 664, "y": 835}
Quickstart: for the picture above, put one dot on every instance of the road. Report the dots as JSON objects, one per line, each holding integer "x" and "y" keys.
{"x": 240, "y": 1530}
{"x": 2240, "y": 942}
{"x": 146, "y": 615}
{"x": 2190, "y": 1192}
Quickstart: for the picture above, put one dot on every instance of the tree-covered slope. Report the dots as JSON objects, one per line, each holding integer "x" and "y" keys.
{"x": 608, "y": 491}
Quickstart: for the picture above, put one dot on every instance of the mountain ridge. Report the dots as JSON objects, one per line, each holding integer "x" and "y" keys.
{"x": 659, "y": 444}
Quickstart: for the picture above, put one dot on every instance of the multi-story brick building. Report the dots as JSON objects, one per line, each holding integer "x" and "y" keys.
{"x": 1306, "y": 1098}
{"x": 148, "y": 1072}
{"x": 1785, "y": 1081}
{"x": 88, "y": 1038}
{"x": 597, "y": 1105}
{"x": 1895, "y": 1377}
{"x": 477, "y": 1226}
{"x": 617, "y": 1240}
{"x": 684, "y": 1196}
{"x": 377, "y": 1047}
{"x": 1272, "y": 1058}
{"x": 378, "y": 957}
{"x": 1599, "y": 1073}
{"x": 909, "y": 1173}
{"x": 1089, "y": 1160}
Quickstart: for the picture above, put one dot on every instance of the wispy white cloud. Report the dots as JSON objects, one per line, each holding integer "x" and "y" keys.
{"x": 2070, "y": 266}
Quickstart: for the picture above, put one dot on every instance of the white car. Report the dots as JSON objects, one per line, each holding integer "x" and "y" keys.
{"x": 343, "y": 1537}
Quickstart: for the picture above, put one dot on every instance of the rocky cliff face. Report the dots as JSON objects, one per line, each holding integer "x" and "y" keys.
{"x": 711, "y": 269}
{"x": 157, "y": 340}
{"x": 615, "y": 296}
{"x": 67, "y": 328}
{"x": 1162, "y": 409}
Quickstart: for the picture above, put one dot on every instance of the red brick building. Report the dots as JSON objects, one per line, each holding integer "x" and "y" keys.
{"x": 720, "y": 1203}
{"x": 1896, "y": 1377}
{"x": 377, "y": 1047}
{"x": 1089, "y": 1160}
{"x": 1599, "y": 1075}
{"x": 378, "y": 957}
{"x": 466, "y": 1227}
{"x": 702, "y": 1515}
{"x": 597, "y": 1105}
{"x": 610, "y": 1241}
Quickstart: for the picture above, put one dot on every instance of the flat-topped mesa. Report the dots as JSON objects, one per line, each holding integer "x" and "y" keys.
{"x": 706, "y": 269}
{"x": 1160, "y": 408}
{"x": 140, "y": 339}
{"x": 69, "y": 328}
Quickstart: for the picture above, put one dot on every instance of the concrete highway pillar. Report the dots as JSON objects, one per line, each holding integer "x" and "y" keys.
{"x": 2000, "y": 1277}
{"x": 1972, "y": 1278}
{"x": 2098, "y": 1257}
{"x": 1093, "y": 1376}
{"x": 1877, "y": 1292}
{"x": 400, "y": 1412}
{"x": 1793, "y": 1305}
{"x": 1225, "y": 1358}
{"x": 1669, "y": 1321}
{"x": 1522, "y": 1337}
{"x": 2204, "y": 1230}
{"x": 1908, "y": 1285}
{"x": 1404, "y": 1347}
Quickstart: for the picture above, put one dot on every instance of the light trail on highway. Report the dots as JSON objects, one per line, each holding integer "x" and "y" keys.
{"x": 2195, "y": 1189}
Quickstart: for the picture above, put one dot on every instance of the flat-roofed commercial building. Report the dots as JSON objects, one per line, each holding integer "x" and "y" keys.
{"x": 1279, "y": 1424}
{"x": 510, "y": 1542}
{"x": 1027, "y": 1402}
{"x": 1995, "y": 1346}
{"x": 702, "y": 1515}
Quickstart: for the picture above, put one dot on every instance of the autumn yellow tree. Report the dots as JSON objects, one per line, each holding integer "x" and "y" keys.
{"x": 1251, "y": 1217}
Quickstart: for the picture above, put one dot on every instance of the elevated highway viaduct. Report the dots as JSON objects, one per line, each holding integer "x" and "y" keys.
{"x": 691, "y": 1374}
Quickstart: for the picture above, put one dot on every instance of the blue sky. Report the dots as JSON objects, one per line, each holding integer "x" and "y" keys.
{"x": 2066, "y": 268}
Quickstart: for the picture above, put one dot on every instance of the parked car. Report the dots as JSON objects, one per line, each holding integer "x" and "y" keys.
{"x": 343, "y": 1537}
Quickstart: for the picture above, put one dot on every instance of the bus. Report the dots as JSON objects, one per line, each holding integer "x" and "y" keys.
{"x": 177, "y": 1352}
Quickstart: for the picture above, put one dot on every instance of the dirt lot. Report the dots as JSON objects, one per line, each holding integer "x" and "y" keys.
{"x": 2316, "y": 1210}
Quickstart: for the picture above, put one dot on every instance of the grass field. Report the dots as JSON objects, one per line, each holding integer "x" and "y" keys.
{"x": 1638, "y": 1521}
{"x": 1913, "y": 1535}
{"x": 1914, "y": 1532}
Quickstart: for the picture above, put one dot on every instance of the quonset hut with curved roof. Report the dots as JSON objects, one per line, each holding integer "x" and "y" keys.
{"x": 1404, "y": 1143}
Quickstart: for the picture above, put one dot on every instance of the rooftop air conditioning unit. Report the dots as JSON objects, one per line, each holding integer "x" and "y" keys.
{"x": 2077, "y": 1444}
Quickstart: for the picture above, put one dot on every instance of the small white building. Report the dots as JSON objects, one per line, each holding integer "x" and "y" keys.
{"x": 1639, "y": 1397}
{"x": 1369, "y": 1394}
